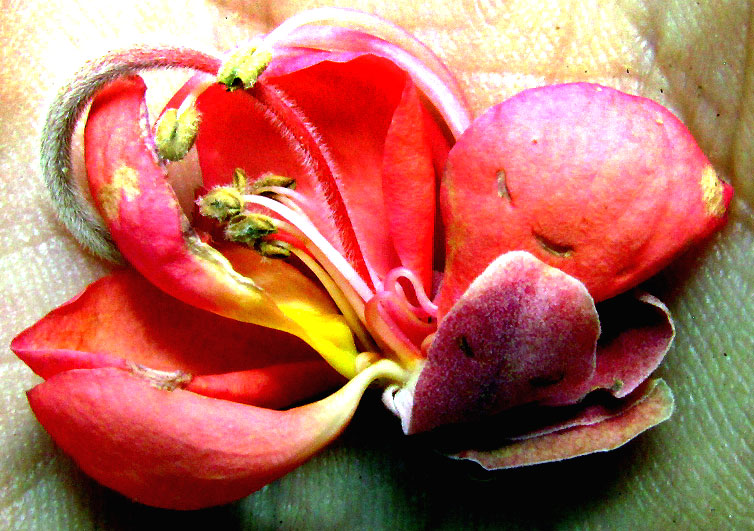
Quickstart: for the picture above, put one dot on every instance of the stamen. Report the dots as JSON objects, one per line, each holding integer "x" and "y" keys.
{"x": 273, "y": 180}
{"x": 243, "y": 67}
{"x": 221, "y": 203}
{"x": 391, "y": 284}
{"x": 273, "y": 248}
{"x": 176, "y": 133}
{"x": 318, "y": 243}
{"x": 338, "y": 297}
{"x": 388, "y": 334}
{"x": 249, "y": 227}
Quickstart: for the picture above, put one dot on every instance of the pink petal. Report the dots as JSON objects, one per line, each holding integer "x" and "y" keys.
{"x": 176, "y": 449}
{"x": 427, "y": 71}
{"x": 522, "y": 332}
{"x": 592, "y": 431}
{"x": 637, "y": 331}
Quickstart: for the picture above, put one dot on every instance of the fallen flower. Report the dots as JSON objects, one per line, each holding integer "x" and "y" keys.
{"x": 310, "y": 260}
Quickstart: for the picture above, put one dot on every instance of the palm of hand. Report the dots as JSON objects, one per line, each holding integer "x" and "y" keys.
{"x": 696, "y": 468}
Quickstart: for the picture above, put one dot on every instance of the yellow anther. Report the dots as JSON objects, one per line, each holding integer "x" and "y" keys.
{"x": 176, "y": 133}
{"x": 249, "y": 227}
{"x": 273, "y": 248}
{"x": 243, "y": 68}
{"x": 222, "y": 203}
{"x": 271, "y": 179}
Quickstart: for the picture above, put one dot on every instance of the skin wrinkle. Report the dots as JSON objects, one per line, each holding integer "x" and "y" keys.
{"x": 695, "y": 468}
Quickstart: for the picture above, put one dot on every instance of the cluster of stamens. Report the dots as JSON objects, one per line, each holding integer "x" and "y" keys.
{"x": 280, "y": 225}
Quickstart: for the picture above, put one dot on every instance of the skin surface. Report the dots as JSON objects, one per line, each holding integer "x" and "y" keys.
{"x": 696, "y": 470}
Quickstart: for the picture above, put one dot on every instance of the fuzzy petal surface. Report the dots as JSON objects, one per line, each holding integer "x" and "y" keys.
{"x": 522, "y": 332}
{"x": 592, "y": 431}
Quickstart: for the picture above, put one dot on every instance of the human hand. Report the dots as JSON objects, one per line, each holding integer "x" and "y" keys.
{"x": 695, "y": 469}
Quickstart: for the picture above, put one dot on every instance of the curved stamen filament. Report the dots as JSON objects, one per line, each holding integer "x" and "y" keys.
{"x": 319, "y": 242}
{"x": 388, "y": 333}
{"x": 338, "y": 297}
{"x": 391, "y": 284}
{"x": 408, "y": 312}
{"x": 304, "y": 245}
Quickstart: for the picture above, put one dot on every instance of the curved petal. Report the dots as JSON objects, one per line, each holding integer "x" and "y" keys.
{"x": 637, "y": 331}
{"x": 129, "y": 187}
{"x": 592, "y": 431}
{"x": 606, "y": 186}
{"x": 122, "y": 319}
{"x": 272, "y": 387}
{"x": 179, "y": 450}
{"x": 522, "y": 332}
{"x": 329, "y": 92}
{"x": 334, "y": 96}
{"x": 428, "y": 72}
{"x": 408, "y": 185}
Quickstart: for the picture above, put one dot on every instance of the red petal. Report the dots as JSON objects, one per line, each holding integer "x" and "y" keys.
{"x": 143, "y": 215}
{"x": 408, "y": 185}
{"x": 176, "y": 449}
{"x": 273, "y": 387}
{"x": 352, "y": 105}
{"x": 521, "y": 333}
{"x": 590, "y": 432}
{"x": 123, "y": 318}
{"x": 144, "y": 218}
{"x": 605, "y": 186}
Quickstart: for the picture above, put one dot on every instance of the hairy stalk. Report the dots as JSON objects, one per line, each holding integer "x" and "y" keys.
{"x": 71, "y": 206}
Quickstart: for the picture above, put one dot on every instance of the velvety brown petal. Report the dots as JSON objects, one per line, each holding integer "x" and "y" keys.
{"x": 595, "y": 430}
{"x": 521, "y": 333}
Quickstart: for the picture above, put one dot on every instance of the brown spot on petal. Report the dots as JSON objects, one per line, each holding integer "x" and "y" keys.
{"x": 124, "y": 184}
{"x": 712, "y": 192}
{"x": 553, "y": 247}
{"x": 502, "y": 185}
{"x": 165, "y": 380}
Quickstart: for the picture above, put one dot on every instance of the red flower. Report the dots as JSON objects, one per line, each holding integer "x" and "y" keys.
{"x": 270, "y": 296}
